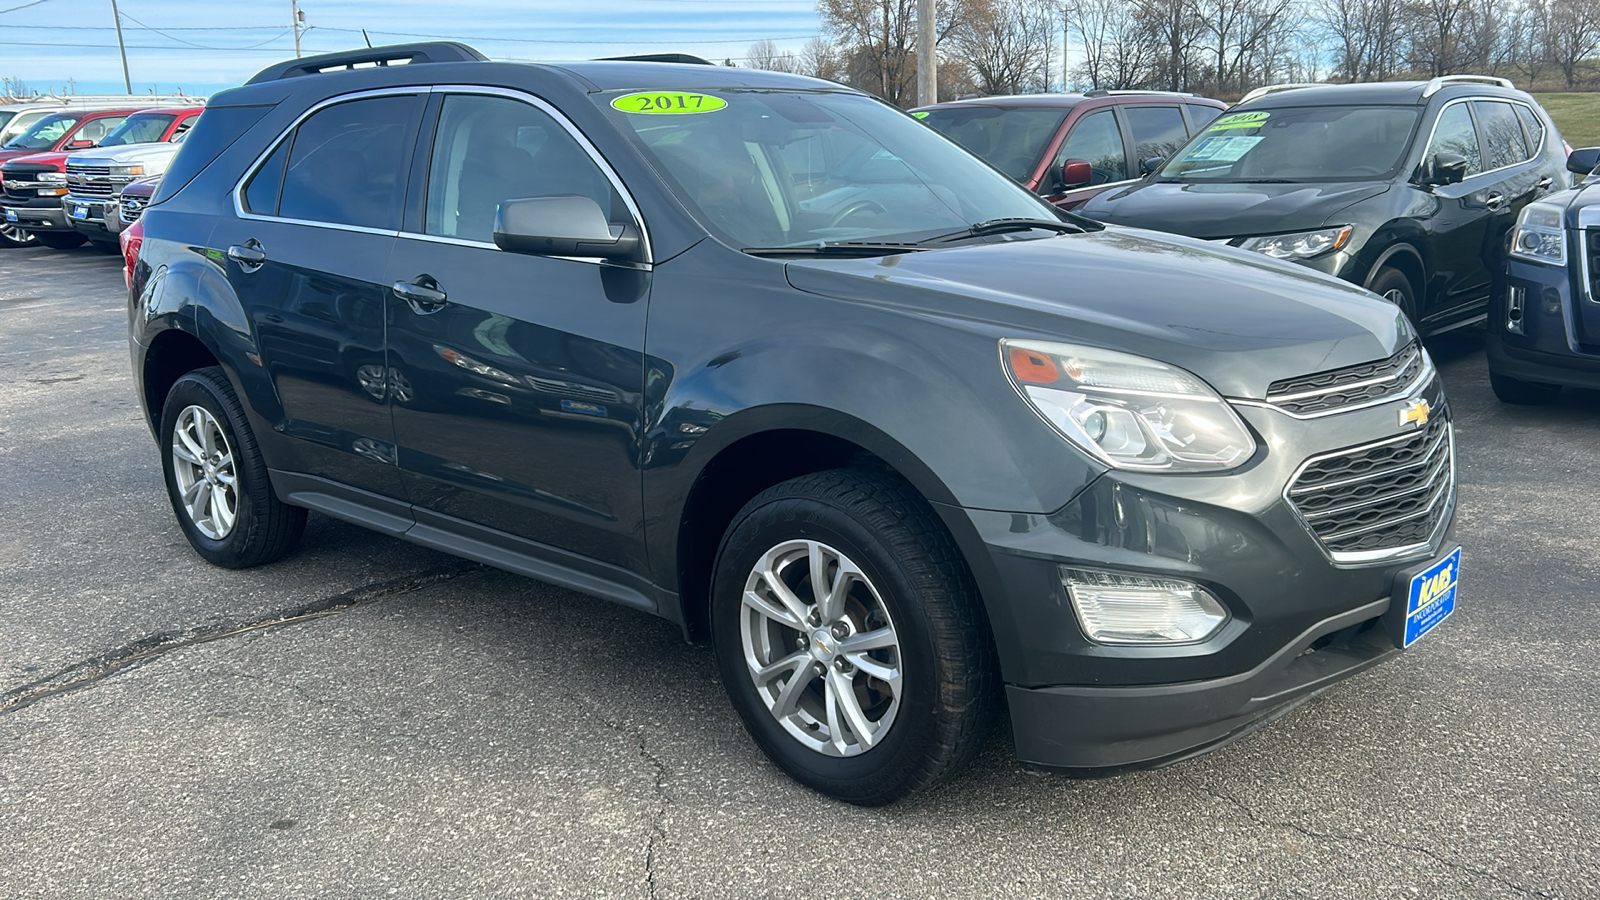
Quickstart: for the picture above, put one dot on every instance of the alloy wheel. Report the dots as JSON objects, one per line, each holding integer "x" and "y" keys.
{"x": 16, "y": 234}
{"x": 203, "y": 463}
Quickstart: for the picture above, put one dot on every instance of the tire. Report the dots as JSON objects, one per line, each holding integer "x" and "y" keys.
{"x": 1393, "y": 286}
{"x": 921, "y": 689}
{"x": 60, "y": 240}
{"x": 1522, "y": 393}
{"x": 12, "y": 236}
{"x": 261, "y": 528}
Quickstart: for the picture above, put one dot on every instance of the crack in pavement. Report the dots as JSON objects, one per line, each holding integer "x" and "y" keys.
{"x": 658, "y": 828}
{"x": 1372, "y": 841}
{"x": 88, "y": 672}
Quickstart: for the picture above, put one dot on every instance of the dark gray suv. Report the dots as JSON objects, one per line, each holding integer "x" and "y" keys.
{"x": 766, "y": 357}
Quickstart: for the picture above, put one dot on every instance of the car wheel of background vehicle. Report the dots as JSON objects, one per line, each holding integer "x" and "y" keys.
{"x": 1393, "y": 286}
{"x": 851, "y": 637}
{"x": 216, "y": 478}
{"x": 60, "y": 240}
{"x": 13, "y": 236}
{"x": 1522, "y": 393}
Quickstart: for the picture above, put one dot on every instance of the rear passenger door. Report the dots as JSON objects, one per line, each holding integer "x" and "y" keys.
{"x": 1156, "y": 132}
{"x": 1514, "y": 167}
{"x": 307, "y": 254}
{"x": 516, "y": 389}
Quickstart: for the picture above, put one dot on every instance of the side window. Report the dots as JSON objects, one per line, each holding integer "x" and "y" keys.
{"x": 347, "y": 163}
{"x": 97, "y": 129}
{"x": 491, "y": 149}
{"x": 1454, "y": 134}
{"x": 1502, "y": 134}
{"x": 183, "y": 126}
{"x": 1532, "y": 129}
{"x": 1095, "y": 139}
{"x": 1156, "y": 131}
{"x": 1200, "y": 116}
{"x": 261, "y": 194}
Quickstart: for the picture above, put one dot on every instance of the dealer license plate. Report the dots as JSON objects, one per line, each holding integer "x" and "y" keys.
{"x": 1432, "y": 597}
{"x": 80, "y": 212}
{"x": 11, "y": 215}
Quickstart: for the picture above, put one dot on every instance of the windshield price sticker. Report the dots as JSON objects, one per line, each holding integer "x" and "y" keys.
{"x": 667, "y": 103}
{"x": 1222, "y": 148}
{"x": 1240, "y": 120}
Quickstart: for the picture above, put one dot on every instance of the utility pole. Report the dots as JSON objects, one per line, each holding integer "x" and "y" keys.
{"x": 927, "y": 55}
{"x": 297, "y": 18}
{"x": 1066, "y": 39}
{"x": 126, "y": 81}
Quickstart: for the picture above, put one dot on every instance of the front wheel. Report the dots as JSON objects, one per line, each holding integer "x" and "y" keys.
{"x": 851, "y": 637}
{"x": 13, "y": 236}
{"x": 1522, "y": 393}
{"x": 216, "y": 478}
{"x": 1393, "y": 286}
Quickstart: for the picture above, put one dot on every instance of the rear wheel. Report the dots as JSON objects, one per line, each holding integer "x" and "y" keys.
{"x": 1522, "y": 393}
{"x": 1393, "y": 286}
{"x": 850, "y": 636}
{"x": 216, "y": 478}
{"x": 13, "y": 236}
{"x": 60, "y": 240}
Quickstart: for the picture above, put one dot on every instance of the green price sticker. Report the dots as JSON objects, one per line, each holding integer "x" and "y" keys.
{"x": 920, "y": 115}
{"x": 1240, "y": 120}
{"x": 667, "y": 103}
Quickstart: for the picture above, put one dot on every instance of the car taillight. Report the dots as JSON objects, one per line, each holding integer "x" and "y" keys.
{"x": 132, "y": 239}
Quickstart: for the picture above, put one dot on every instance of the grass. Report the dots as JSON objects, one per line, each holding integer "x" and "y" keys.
{"x": 1576, "y": 115}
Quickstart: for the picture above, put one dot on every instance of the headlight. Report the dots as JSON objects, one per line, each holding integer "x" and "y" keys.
{"x": 1539, "y": 236}
{"x": 1127, "y": 411}
{"x": 52, "y": 178}
{"x": 1301, "y": 244}
{"x": 126, "y": 171}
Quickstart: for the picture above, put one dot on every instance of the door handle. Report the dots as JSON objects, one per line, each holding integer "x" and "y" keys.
{"x": 249, "y": 255}
{"x": 1544, "y": 183}
{"x": 1494, "y": 201}
{"x": 422, "y": 294}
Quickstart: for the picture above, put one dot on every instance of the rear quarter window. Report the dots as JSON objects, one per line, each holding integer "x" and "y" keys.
{"x": 214, "y": 131}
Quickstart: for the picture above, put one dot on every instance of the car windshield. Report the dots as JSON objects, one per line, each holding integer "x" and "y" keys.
{"x": 765, "y": 168}
{"x": 1011, "y": 140}
{"x": 1298, "y": 144}
{"x": 44, "y": 134}
{"x": 139, "y": 129}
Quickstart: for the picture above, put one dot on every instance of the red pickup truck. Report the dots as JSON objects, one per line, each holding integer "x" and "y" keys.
{"x": 41, "y": 185}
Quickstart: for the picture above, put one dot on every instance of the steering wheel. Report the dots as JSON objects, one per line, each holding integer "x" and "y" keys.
{"x": 856, "y": 206}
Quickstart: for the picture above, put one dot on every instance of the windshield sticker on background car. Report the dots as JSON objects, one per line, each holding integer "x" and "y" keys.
{"x": 659, "y": 103}
{"x": 919, "y": 115}
{"x": 1240, "y": 120}
{"x": 1222, "y": 148}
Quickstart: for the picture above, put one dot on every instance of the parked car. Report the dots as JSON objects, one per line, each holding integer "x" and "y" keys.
{"x": 33, "y": 201}
{"x": 129, "y": 203}
{"x": 1405, "y": 188}
{"x": 144, "y": 145}
{"x": 901, "y": 431}
{"x": 1544, "y": 322}
{"x": 1070, "y": 147}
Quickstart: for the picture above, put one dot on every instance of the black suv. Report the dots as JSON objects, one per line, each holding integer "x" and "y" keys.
{"x": 1405, "y": 188}
{"x": 766, "y": 357}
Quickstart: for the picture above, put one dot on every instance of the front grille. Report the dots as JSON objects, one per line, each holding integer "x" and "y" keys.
{"x": 21, "y": 180}
{"x": 130, "y": 208}
{"x": 1337, "y": 389}
{"x": 1380, "y": 496}
{"x": 90, "y": 181}
{"x": 574, "y": 389}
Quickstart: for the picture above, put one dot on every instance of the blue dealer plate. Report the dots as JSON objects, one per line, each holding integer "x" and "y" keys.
{"x": 80, "y": 212}
{"x": 11, "y": 215}
{"x": 1432, "y": 597}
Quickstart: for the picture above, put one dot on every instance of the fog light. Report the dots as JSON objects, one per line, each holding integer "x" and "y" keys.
{"x": 1123, "y": 608}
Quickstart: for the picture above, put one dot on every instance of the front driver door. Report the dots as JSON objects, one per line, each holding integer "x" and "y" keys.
{"x": 515, "y": 380}
{"x": 1457, "y": 220}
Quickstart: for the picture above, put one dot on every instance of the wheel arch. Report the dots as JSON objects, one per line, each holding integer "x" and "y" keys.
{"x": 1407, "y": 260}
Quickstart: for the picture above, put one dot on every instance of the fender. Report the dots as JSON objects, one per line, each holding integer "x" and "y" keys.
{"x": 1394, "y": 250}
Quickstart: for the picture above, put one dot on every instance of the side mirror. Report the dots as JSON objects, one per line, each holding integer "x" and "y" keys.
{"x": 562, "y": 225}
{"x": 1582, "y": 162}
{"x": 79, "y": 144}
{"x": 1153, "y": 163}
{"x": 1076, "y": 173}
{"x": 1447, "y": 168}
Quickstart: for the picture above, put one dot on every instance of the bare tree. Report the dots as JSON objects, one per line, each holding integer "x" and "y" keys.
{"x": 1571, "y": 36}
{"x": 878, "y": 39}
{"x": 1005, "y": 44}
{"x": 819, "y": 58}
{"x": 1118, "y": 52}
{"x": 765, "y": 54}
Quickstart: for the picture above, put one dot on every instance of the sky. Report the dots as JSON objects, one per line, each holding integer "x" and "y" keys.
{"x": 202, "y": 47}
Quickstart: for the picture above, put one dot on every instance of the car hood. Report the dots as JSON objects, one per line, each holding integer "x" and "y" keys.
{"x": 1227, "y": 210}
{"x": 52, "y": 158}
{"x": 9, "y": 155}
{"x": 158, "y": 153}
{"x": 1238, "y": 320}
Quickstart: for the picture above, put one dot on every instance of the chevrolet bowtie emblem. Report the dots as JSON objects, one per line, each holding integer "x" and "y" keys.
{"x": 1415, "y": 411}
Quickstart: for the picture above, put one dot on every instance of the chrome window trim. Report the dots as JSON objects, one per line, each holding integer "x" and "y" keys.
{"x": 1354, "y": 558}
{"x": 1435, "y": 127}
{"x": 485, "y": 90}
{"x": 1410, "y": 389}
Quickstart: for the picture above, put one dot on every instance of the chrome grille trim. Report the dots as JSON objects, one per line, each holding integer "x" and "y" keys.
{"x": 1371, "y": 383}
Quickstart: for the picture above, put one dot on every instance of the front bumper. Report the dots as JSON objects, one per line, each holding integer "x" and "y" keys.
{"x": 44, "y": 214}
{"x": 1300, "y": 620}
{"x": 1555, "y": 320}
{"x": 87, "y": 216}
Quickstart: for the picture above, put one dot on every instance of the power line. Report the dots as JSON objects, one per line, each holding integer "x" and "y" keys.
{"x": 23, "y": 6}
{"x": 173, "y": 37}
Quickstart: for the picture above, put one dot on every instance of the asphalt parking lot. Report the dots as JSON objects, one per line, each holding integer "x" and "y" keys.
{"x": 372, "y": 719}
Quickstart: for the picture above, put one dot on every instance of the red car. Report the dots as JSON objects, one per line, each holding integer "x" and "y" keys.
{"x": 1069, "y": 147}
{"x": 33, "y": 165}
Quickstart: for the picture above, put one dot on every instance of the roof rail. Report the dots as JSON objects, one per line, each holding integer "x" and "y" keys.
{"x": 1274, "y": 88}
{"x": 1103, "y": 93}
{"x": 367, "y": 57}
{"x": 109, "y": 101}
{"x": 660, "y": 57}
{"x": 1438, "y": 84}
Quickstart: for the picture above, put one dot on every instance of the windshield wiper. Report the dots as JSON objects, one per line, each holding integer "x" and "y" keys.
{"x": 1002, "y": 226}
{"x": 835, "y": 248}
{"x": 1266, "y": 181}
